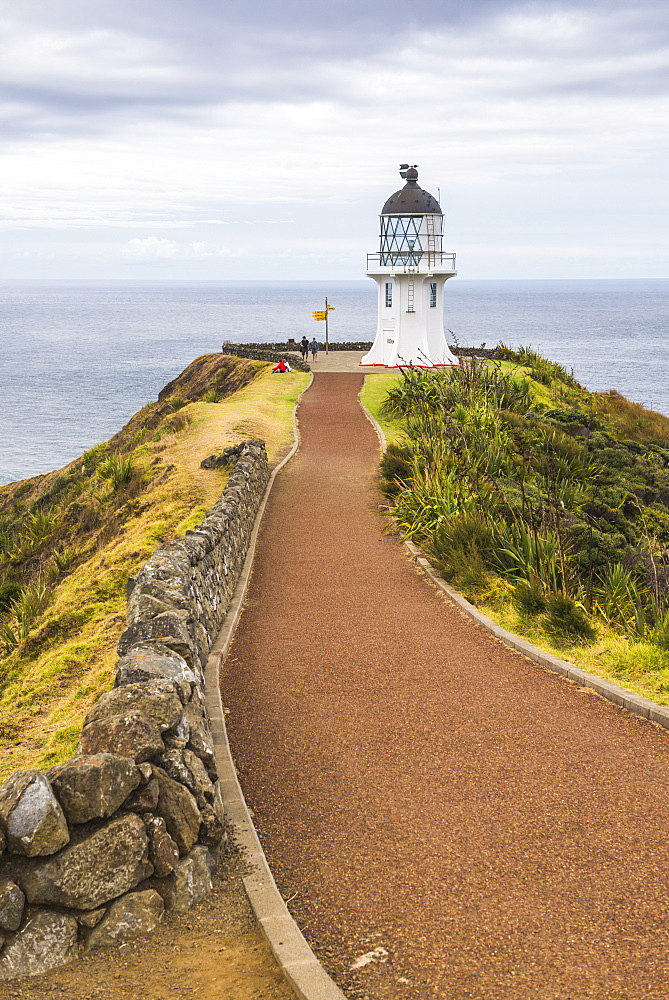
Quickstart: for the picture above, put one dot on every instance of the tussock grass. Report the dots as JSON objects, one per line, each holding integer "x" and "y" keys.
{"x": 545, "y": 504}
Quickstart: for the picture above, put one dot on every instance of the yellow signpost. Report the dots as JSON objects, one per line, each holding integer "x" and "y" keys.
{"x": 322, "y": 314}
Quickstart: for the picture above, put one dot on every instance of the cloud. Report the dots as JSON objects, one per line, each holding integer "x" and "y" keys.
{"x": 164, "y": 118}
{"x": 152, "y": 248}
{"x": 155, "y": 248}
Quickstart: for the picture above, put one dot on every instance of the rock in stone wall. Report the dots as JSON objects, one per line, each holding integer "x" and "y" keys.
{"x": 93, "y": 851}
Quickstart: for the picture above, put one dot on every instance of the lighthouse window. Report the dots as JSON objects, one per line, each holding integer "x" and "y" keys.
{"x": 433, "y": 295}
{"x": 400, "y": 239}
{"x": 389, "y": 294}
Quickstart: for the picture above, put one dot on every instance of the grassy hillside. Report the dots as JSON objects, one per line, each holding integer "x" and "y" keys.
{"x": 70, "y": 539}
{"x": 545, "y": 504}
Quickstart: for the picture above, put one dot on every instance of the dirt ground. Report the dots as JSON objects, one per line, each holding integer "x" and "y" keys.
{"x": 214, "y": 951}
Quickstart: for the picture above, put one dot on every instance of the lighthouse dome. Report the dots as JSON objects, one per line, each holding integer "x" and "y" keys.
{"x": 411, "y": 199}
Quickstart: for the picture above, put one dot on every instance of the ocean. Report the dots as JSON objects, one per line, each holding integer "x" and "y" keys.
{"x": 80, "y": 357}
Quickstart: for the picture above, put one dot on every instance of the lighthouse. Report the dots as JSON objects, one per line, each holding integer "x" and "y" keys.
{"x": 410, "y": 270}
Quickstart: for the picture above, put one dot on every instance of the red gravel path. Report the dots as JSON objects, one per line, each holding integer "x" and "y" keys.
{"x": 418, "y": 786}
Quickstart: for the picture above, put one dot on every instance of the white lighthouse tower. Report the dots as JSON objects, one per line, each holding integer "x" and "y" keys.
{"x": 410, "y": 270}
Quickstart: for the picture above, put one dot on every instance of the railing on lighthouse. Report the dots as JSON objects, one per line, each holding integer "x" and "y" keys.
{"x": 412, "y": 259}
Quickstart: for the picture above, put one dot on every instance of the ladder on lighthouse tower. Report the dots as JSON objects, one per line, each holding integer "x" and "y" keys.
{"x": 410, "y": 293}
{"x": 431, "y": 240}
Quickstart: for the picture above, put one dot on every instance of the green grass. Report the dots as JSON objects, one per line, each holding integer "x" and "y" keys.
{"x": 638, "y": 666}
{"x": 372, "y": 397}
{"x": 93, "y": 524}
{"x": 612, "y": 457}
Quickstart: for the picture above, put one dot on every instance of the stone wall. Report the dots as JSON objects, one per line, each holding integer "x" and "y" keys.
{"x": 94, "y": 851}
{"x": 265, "y": 352}
{"x": 474, "y": 352}
{"x": 275, "y": 351}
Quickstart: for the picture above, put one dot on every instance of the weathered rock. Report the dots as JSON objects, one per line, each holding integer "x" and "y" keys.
{"x": 179, "y": 809}
{"x": 211, "y": 860}
{"x": 91, "y": 918}
{"x": 31, "y": 816}
{"x": 172, "y": 763}
{"x": 200, "y": 741}
{"x": 157, "y": 698}
{"x": 151, "y": 661}
{"x": 197, "y": 701}
{"x": 133, "y": 735}
{"x": 166, "y": 593}
{"x": 143, "y": 606}
{"x": 93, "y": 786}
{"x": 212, "y": 830}
{"x": 95, "y": 868}
{"x": 188, "y": 883}
{"x": 163, "y": 852}
{"x": 218, "y": 805}
{"x": 145, "y": 799}
{"x": 3, "y": 842}
{"x": 46, "y": 941}
{"x": 12, "y": 902}
{"x": 133, "y": 914}
{"x": 202, "y": 787}
{"x": 170, "y": 629}
{"x": 167, "y": 564}
{"x": 145, "y": 770}
{"x": 178, "y": 737}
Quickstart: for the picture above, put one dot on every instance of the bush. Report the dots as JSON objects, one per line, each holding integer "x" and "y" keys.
{"x": 660, "y": 636}
{"x": 117, "y": 469}
{"x": 567, "y": 621}
{"x": 396, "y": 469}
{"x": 462, "y": 548}
{"x": 177, "y": 422}
{"x": 8, "y": 593}
{"x": 529, "y": 598}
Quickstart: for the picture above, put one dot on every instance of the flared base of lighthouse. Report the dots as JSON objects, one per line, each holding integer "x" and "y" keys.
{"x": 416, "y": 358}
{"x": 410, "y": 328}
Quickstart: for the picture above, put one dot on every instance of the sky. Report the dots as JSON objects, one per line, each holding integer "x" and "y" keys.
{"x": 193, "y": 139}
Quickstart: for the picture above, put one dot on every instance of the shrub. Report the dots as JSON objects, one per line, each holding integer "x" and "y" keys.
{"x": 176, "y": 423}
{"x": 529, "y": 598}
{"x": 566, "y": 620}
{"x": 660, "y": 635}
{"x": 462, "y": 547}
{"x": 64, "y": 557}
{"x": 117, "y": 469}
{"x": 8, "y": 593}
{"x": 396, "y": 469}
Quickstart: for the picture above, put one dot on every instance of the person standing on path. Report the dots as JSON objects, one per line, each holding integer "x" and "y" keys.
{"x": 314, "y": 349}
{"x": 304, "y": 348}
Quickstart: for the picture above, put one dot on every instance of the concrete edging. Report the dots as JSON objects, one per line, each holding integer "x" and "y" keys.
{"x": 635, "y": 703}
{"x": 299, "y": 965}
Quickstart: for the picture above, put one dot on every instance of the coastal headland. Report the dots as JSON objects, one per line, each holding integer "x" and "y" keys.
{"x": 432, "y": 718}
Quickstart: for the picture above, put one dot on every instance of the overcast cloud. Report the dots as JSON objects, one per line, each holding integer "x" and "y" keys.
{"x": 202, "y": 140}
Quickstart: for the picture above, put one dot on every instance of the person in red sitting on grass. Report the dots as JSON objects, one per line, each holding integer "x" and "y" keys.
{"x": 282, "y": 366}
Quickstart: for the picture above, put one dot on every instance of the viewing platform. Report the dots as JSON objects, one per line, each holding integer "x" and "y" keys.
{"x": 419, "y": 261}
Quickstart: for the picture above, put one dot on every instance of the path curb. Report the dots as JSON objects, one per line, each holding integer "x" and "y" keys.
{"x": 607, "y": 689}
{"x": 299, "y": 965}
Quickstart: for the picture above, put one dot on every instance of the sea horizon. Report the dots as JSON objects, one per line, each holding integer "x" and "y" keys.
{"x": 80, "y": 356}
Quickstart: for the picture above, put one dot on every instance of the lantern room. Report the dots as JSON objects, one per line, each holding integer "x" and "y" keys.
{"x": 410, "y": 270}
